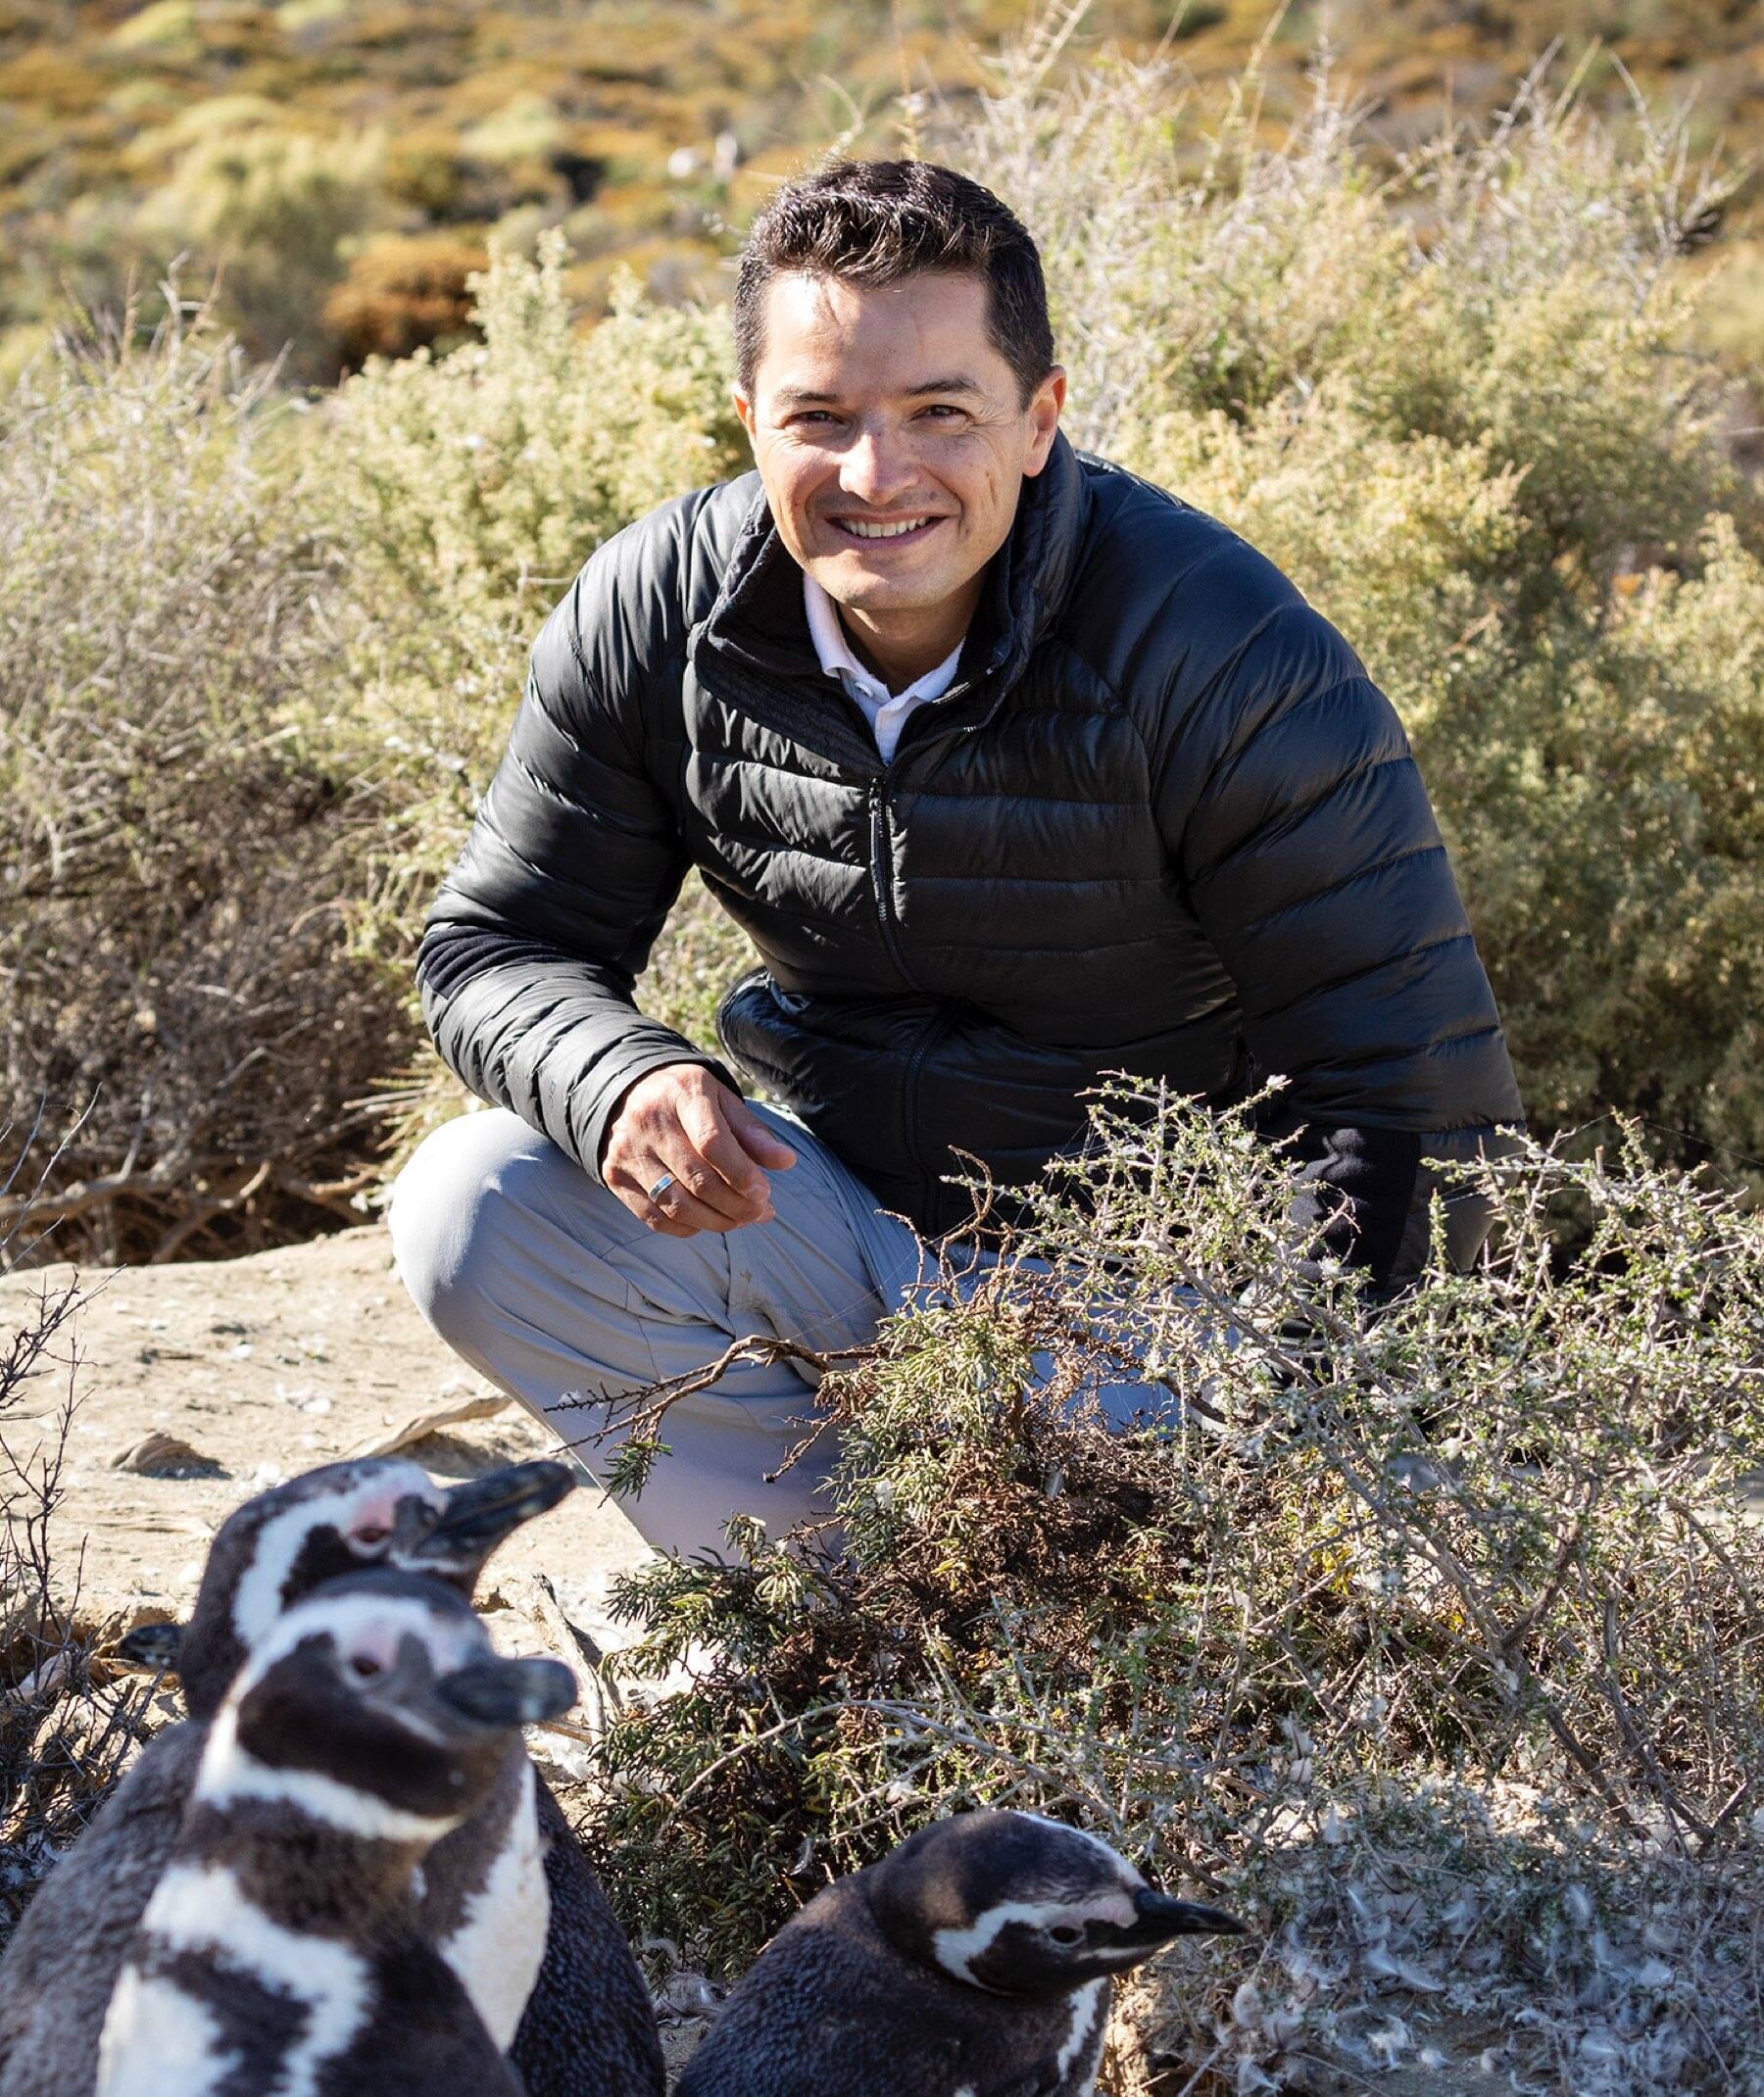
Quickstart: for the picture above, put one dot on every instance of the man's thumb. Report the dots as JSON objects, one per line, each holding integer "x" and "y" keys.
{"x": 759, "y": 1142}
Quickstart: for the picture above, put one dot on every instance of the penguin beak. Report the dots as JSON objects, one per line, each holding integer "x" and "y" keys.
{"x": 478, "y": 1516}
{"x": 1161, "y": 1918}
{"x": 509, "y": 1692}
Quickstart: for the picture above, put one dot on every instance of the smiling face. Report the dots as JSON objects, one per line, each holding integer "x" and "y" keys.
{"x": 893, "y": 441}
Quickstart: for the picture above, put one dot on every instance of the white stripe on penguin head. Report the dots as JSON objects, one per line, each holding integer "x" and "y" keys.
{"x": 259, "y": 1598}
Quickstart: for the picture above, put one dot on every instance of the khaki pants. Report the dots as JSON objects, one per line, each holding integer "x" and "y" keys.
{"x": 551, "y": 1288}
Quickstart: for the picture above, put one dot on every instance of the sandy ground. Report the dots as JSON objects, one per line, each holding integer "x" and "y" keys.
{"x": 261, "y": 1368}
{"x": 265, "y": 1367}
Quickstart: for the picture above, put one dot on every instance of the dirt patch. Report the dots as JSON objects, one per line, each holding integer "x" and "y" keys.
{"x": 197, "y": 1385}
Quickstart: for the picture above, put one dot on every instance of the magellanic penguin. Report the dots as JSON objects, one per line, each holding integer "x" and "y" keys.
{"x": 61, "y": 1965}
{"x": 975, "y": 1961}
{"x": 282, "y": 1953}
{"x": 512, "y": 1900}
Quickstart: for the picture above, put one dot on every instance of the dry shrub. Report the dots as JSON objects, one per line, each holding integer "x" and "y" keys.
{"x": 1430, "y": 1632}
{"x": 172, "y": 951}
{"x": 65, "y": 1729}
{"x": 404, "y": 292}
{"x": 1454, "y": 400}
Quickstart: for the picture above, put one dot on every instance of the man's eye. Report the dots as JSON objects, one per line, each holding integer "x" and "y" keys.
{"x": 943, "y": 411}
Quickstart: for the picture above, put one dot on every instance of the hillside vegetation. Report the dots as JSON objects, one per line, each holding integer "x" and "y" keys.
{"x": 346, "y": 161}
{"x": 259, "y": 654}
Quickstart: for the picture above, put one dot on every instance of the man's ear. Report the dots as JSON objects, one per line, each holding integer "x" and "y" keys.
{"x": 1043, "y": 420}
{"x": 744, "y": 408}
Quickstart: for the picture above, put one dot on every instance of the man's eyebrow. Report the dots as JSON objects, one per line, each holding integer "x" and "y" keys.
{"x": 806, "y": 397}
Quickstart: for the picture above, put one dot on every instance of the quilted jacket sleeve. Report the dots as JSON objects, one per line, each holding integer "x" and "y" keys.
{"x": 1311, "y": 853}
{"x": 528, "y": 965}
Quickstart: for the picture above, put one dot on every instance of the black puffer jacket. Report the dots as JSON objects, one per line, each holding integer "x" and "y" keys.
{"x": 1162, "y": 822}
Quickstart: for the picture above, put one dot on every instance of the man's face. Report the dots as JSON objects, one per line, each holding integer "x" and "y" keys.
{"x": 889, "y": 407}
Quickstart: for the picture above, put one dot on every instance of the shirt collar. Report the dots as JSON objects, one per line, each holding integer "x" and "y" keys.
{"x": 838, "y": 660}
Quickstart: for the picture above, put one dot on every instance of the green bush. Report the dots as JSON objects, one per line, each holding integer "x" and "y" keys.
{"x": 1455, "y": 404}
{"x": 1430, "y": 1632}
{"x": 173, "y": 960}
{"x": 470, "y": 488}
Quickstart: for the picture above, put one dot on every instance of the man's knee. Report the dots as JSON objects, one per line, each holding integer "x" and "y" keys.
{"x": 454, "y": 1206}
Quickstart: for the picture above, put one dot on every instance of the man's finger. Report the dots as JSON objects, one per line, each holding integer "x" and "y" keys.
{"x": 709, "y": 1126}
{"x": 700, "y": 1194}
{"x": 757, "y": 1141}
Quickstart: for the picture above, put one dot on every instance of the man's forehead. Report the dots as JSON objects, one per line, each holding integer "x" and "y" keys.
{"x": 825, "y": 338}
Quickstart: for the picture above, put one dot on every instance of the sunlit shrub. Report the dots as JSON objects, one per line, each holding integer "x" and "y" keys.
{"x": 172, "y": 950}
{"x": 404, "y": 292}
{"x": 1456, "y": 406}
{"x": 271, "y": 211}
{"x": 470, "y": 488}
{"x": 1427, "y": 1633}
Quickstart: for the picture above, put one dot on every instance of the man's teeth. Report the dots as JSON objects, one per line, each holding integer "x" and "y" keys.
{"x": 884, "y": 532}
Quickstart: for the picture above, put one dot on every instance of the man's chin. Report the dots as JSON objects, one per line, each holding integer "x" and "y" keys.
{"x": 851, "y": 580}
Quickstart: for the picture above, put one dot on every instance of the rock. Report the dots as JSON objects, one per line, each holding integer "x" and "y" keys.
{"x": 158, "y": 1454}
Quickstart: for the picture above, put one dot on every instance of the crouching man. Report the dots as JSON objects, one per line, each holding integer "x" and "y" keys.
{"x": 1014, "y": 770}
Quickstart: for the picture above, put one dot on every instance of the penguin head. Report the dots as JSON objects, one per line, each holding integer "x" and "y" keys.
{"x": 1019, "y": 1905}
{"x": 341, "y": 1519}
{"x": 377, "y": 1706}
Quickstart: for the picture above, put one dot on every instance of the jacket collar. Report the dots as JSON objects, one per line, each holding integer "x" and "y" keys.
{"x": 758, "y": 619}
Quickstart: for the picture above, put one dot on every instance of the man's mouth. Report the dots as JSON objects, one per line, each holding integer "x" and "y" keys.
{"x": 870, "y": 530}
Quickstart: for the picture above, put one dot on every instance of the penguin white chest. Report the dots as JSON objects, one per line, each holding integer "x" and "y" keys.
{"x": 499, "y": 1945}
{"x": 158, "y": 2036}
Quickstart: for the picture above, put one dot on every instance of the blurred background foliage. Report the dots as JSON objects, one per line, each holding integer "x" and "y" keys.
{"x": 1464, "y": 345}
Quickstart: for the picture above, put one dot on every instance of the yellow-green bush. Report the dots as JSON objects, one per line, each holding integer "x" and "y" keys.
{"x": 470, "y": 488}
{"x": 1457, "y": 406}
{"x": 271, "y": 210}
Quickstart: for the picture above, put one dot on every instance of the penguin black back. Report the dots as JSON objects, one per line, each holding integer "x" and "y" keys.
{"x": 281, "y": 1950}
{"x": 975, "y": 1960}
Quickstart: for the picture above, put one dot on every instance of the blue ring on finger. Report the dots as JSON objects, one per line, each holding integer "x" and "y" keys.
{"x": 660, "y": 1187}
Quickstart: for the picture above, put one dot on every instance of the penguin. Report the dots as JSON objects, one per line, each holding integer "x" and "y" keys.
{"x": 511, "y": 1899}
{"x": 61, "y": 1965}
{"x": 975, "y": 1960}
{"x": 282, "y": 1949}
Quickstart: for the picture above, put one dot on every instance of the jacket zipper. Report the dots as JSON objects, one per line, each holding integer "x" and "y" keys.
{"x": 882, "y": 878}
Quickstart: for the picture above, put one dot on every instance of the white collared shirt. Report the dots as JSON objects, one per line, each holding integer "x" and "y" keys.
{"x": 885, "y": 710}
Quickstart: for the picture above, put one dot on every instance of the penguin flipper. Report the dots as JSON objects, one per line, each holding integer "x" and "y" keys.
{"x": 61, "y": 1962}
{"x": 589, "y": 2027}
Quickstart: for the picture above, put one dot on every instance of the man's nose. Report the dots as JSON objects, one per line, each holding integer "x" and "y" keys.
{"x": 877, "y": 467}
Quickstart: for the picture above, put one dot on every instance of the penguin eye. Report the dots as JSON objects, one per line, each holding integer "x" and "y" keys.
{"x": 364, "y": 1664}
{"x": 1064, "y": 1934}
{"x": 370, "y": 1534}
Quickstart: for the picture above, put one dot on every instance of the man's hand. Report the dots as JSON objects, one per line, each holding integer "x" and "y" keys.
{"x": 681, "y": 1120}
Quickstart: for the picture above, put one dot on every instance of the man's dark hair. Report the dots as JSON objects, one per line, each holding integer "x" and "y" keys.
{"x": 874, "y": 221}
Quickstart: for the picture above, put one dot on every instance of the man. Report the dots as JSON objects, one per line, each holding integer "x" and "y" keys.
{"x": 1016, "y": 770}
